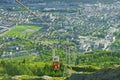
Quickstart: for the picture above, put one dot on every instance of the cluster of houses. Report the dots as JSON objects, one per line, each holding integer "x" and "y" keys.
{"x": 77, "y": 22}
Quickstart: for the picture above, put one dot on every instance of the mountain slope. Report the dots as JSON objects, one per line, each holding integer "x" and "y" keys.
{"x": 103, "y": 74}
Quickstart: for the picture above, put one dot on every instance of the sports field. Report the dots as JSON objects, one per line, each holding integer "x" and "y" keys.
{"x": 22, "y": 30}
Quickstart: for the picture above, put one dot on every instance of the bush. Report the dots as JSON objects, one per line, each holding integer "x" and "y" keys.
{"x": 85, "y": 68}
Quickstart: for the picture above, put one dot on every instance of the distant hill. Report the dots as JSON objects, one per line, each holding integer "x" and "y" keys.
{"x": 87, "y": 1}
{"x": 82, "y": 1}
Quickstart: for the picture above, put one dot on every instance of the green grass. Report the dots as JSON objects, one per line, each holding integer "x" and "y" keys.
{"x": 117, "y": 43}
{"x": 100, "y": 58}
{"x": 88, "y": 68}
{"x": 22, "y": 30}
{"x": 1, "y": 40}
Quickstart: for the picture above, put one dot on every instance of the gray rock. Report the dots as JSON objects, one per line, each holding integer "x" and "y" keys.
{"x": 46, "y": 78}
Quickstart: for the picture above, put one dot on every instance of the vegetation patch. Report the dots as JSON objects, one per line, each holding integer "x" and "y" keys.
{"x": 28, "y": 68}
{"x": 100, "y": 58}
{"x": 85, "y": 68}
{"x": 117, "y": 43}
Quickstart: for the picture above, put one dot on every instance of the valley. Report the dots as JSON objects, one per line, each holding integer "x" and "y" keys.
{"x": 84, "y": 34}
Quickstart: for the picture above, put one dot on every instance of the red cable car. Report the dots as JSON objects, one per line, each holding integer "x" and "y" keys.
{"x": 56, "y": 63}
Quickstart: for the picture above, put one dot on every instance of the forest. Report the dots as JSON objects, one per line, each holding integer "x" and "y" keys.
{"x": 33, "y": 66}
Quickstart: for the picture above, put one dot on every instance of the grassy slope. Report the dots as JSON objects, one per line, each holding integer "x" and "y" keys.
{"x": 29, "y": 66}
{"x": 100, "y": 58}
{"x": 96, "y": 58}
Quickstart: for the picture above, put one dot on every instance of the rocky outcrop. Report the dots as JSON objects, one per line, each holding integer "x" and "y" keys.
{"x": 103, "y": 74}
{"x": 77, "y": 76}
{"x": 46, "y": 78}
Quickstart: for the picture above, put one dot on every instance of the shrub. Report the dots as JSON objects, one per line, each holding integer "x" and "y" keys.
{"x": 85, "y": 68}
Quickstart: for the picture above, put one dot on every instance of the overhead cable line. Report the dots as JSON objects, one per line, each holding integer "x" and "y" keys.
{"x": 33, "y": 13}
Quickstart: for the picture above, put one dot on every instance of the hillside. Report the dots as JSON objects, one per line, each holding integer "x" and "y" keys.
{"x": 89, "y": 64}
{"x": 85, "y": 34}
{"x": 100, "y": 58}
{"x": 112, "y": 73}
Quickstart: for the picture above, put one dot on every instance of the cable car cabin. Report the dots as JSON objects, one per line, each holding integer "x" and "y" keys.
{"x": 56, "y": 63}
